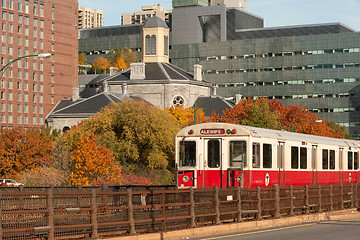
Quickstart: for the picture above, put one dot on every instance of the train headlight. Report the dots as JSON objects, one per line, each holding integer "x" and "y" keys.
{"x": 185, "y": 178}
{"x": 190, "y": 132}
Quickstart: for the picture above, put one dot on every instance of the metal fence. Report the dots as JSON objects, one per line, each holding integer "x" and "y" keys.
{"x": 73, "y": 213}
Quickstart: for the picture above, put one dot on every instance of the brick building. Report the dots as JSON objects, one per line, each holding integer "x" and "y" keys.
{"x": 31, "y": 86}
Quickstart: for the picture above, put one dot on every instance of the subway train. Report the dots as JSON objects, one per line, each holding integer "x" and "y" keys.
{"x": 229, "y": 155}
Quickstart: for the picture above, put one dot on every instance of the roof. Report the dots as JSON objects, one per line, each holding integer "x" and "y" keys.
{"x": 286, "y": 31}
{"x": 87, "y": 107}
{"x": 242, "y": 130}
{"x": 212, "y": 104}
{"x": 155, "y": 22}
{"x": 90, "y": 82}
{"x": 158, "y": 72}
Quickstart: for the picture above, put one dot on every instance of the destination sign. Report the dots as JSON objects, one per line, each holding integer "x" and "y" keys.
{"x": 212, "y": 131}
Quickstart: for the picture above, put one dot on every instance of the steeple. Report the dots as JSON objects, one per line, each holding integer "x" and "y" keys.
{"x": 155, "y": 37}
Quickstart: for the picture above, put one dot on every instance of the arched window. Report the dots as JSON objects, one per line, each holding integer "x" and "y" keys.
{"x": 166, "y": 45}
{"x": 153, "y": 44}
{"x": 147, "y": 45}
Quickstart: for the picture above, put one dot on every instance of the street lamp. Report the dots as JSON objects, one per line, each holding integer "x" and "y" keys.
{"x": 216, "y": 98}
{"x": 41, "y": 55}
{"x": 294, "y": 128}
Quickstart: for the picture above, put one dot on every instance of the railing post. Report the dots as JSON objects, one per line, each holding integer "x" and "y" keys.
{"x": 1, "y": 229}
{"x": 50, "y": 206}
{"x": 79, "y": 196}
{"x": 342, "y": 196}
{"x": 130, "y": 211}
{"x": 192, "y": 208}
{"x": 94, "y": 221}
{"x": 331, "y": 198}
{"x": 163, "y": 210}
{"x": 217, "y": 206}
{"x": 239, "y": 210}
{"x": 277, "y": 201}
{"x": 105, "y": 197}
{"x": 21, "y": 198}
{"x": 352, "y": 195}
{"x": 292, "y": 201}
{"x": 320, "y": 200}
{"x": 307, "y": 200}
{"x": 258, "y": 196}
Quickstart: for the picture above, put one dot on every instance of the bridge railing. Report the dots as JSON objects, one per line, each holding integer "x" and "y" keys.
{"x": 103, "y": 212}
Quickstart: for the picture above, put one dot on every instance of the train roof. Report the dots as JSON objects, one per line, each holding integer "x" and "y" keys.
{"x": 281, "y": 135}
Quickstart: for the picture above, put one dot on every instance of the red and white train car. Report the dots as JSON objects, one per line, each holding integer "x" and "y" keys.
{"x": 229, "y": 155}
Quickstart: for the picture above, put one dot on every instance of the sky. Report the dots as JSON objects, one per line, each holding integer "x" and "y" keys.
{"x": 274, "y": 12}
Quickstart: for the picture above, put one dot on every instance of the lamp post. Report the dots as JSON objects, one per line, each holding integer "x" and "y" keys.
{"x": 41, "y": 55}
{"x": 196, "y": 108}
{"x": 294, "y": 128}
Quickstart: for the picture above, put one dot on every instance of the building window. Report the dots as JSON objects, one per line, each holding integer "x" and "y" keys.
{"x": 166, "y": 45}
{"x": 26, "y": 6}
{"x": 178, "y": 101}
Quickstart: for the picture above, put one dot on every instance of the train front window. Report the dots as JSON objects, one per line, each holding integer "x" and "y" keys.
{"x": 238, "y": 154}
{"x": 256, "y": 155}
{"x": 187, "y": 153}
{"x": 214, "y": 153}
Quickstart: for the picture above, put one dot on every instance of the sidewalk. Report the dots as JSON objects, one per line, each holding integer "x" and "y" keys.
{"x": 245, "y": 226}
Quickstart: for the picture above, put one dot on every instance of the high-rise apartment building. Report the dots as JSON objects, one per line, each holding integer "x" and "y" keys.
{"x": 89, "y": 18}
{"x": 145, "y": 13}
{"x": 31, "y": 86}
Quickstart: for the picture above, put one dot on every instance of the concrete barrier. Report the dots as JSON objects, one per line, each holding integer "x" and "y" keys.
{"x": 245, "y": 226}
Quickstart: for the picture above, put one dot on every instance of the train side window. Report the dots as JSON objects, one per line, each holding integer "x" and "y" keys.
{"x": 256, "y": 155}
{"x": 350, "y": 160}
{"x": 238, "y": 154}
{"x": 213, "y": 153}
{"x": 356, "y": 161}
{"x": 294, "y": 157}
{"x": 187, "y": 153}
{"x": 303, "y": 158}
{"x": 267, "y": 156}
{"x": 332, "y": 159}
{"x": 325, "y": 158}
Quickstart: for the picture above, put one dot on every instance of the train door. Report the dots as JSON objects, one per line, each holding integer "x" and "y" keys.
{"x": 212, "y": 160}
{"x": 341, "y": 165}
{"x": 237, "y": 163}
{"x": 314, "y": 165}
{"x": 187, "y": 163}
{"x": 281, "y": 162}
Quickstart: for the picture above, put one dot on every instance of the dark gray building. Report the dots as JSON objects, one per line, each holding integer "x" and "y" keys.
{"x": 316, "y": 66}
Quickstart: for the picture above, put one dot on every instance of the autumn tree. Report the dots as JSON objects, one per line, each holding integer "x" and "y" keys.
{"x": 126, "y": 54}
{"x": 185, "y": 116}
{"x": 23, "y": 150}
{"x": 139, "y": 135}
{"x": 101, "y": 64}
{"x": 92, "y": 164}
{"x": 82, "y": 59}
{"x": 274, "y": 115}
{"x": 120, "y": 63}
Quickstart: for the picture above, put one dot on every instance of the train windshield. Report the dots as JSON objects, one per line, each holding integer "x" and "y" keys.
{"x": 187, "y": 154}
{"x": 238, "y": 154}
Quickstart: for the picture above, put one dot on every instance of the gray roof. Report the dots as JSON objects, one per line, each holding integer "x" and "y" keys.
{"x": 86, "y": 107}
{"x": 212, "y": 104}
{"x": 286, "y": 31}
{"x": 155, "y": 22}
{"x": 90, "y": 80}
{"x": 158, "y": 72}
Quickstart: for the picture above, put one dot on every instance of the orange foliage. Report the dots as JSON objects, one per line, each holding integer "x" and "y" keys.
{"x": 185, "y": 116}
{"x": 295, "y": 116}
{"x": 101, "y": 63}
{"x": 20, "y": 150}
{"x": 120, "y": 63}
{"x": 93, "y": 164}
